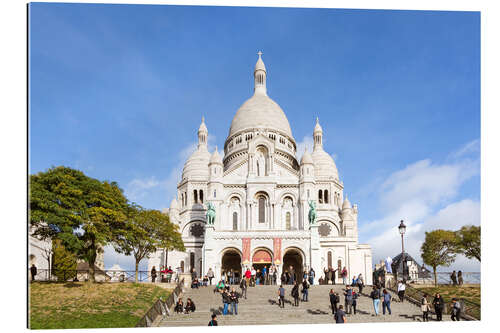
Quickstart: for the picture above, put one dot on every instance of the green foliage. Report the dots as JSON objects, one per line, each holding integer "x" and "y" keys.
{"x": 469, "y": 241}
{"x": 64, "y": 262}
{"x": 84, "y": 213}
{"x": 145, "y": 232}
{"x": 439, "y": 249}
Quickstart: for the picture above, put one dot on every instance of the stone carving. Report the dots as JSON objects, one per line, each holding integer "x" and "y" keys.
{"x": 312, "y": 212}
{"x": 197, "y": 230}
{"x": 324, "y": 230}
{"x": 210, "y": 213}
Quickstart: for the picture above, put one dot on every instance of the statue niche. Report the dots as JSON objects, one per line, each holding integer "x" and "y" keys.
{"x": 261, "y": 161}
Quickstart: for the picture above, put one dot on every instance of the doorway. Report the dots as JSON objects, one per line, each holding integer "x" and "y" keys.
{"x": 293, "y": 258}
{"x": 231, "y": 261}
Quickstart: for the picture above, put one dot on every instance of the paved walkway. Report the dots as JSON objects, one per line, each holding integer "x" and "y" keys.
{"x": 261, "y": 308}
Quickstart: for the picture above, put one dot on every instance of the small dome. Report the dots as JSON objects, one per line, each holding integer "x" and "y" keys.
{"x": 197, "y": 164}
{"x": 346, "y": 204}
{"x": 324, "y": 166}
{"x": 173, "y": 204}
{"x": 215, "y": 158}
{"x": 317, "y": 128}
{"x": 306, "y": 158}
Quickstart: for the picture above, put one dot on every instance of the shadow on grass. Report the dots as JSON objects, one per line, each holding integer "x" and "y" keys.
{"x": 73, "y": 285}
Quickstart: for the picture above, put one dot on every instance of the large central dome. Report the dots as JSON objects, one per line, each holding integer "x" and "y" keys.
{"x": 260, "y": 111}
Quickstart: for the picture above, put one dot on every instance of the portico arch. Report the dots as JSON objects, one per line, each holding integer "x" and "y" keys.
{"x": 294, "y": 257}
{"x": 231, "y": 260}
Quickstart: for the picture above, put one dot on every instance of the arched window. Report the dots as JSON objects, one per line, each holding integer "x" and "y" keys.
{"x": 326, "y": 196}
{"x": 320, "y": 196}
{"x": 262, "y": 209}
{"x": 215, "y": 193}
{"x": 182, "y": 199}
{"x": 235, "y": 221}
{"x": 195, "y": 196}
{"x": 182, "y": 266}
{"x": 330, "y": 264}
{"x": 288, "y": 221}
{"x": 201, "y": 196}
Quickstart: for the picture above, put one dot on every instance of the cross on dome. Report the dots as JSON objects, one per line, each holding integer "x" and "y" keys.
{"x": 260, "y": 53}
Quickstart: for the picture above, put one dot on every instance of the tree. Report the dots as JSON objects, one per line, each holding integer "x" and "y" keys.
{"x": 84, "y": 213}
{"x": 469, "y": 241}
{"x": 64, "y": 262}
{"x": 146, "y": 231}
{"x": 439, "y": 249}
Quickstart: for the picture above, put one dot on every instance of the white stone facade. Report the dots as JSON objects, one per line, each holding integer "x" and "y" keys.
{"x": 261, "y": 194}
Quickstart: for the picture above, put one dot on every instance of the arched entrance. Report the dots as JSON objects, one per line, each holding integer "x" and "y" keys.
{"x": 293, "y": 258}
{"x": 231, "y": 261}
{"x": 262, "y": 258}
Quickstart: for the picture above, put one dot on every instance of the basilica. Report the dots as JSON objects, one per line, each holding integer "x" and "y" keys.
{"x": 261, "y": 192}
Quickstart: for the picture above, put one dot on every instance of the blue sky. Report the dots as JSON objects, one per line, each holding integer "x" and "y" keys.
{"x": 118, "y": 91}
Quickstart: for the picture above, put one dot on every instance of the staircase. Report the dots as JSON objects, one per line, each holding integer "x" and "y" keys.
{"x": 261, "y": 308}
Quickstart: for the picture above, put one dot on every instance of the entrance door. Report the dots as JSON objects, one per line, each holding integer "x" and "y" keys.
{"x": 292, "y": 260}
{"x": 231, "y": 262}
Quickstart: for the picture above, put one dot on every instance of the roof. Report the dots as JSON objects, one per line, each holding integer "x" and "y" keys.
{"x": 397, "y": 265}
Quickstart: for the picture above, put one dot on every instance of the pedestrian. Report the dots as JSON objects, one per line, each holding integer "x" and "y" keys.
{"x": 248, "y": 276}
{"x": 453, "y": 278}
{"x": 275, "y": 275}
{"x": 305, "y": 291}
{"x": 438, "y": 304}
{"x": 425, "y": 307}
{"x": 170, "y": 272}
{"x": 281, "y": 295}
{"x": 179, "y": 306}
{"x": 226, "y": 300}
{"x": 153, "y": 274}
{"x": 354, "y": 301}
{"x": 210, "y": 275}
{"x": 33, "y": 271}
{"x": 326, "y": 271}
{"x": 344, "y": 275}
{"x": 234, "y": 301}
{"x": 361, "y": 283}
{"x": 219, "y": 286}
{"x": 190, "y": 307}
{"x": 243, "y": 286}
{"x": 375, "y": 296}
{"x": 348, "y": 299}
{"x": 340, "y": 317}
{"x": 213, "y": 322}
{"x": 333, "y": 275}
{"x": 254, "y": 274}
{"x": 312, "y": 275}
{"x": 295, "y": 293}
{"x": 334, "y": 299}
{"x": 460, "y": 278}
{"x": 455, "y": 310}
{"x": 386, "y": 302}
{"x": 401, "y": 290}
{"x": 264, "y": 275}
{"x": 292, "y": 275}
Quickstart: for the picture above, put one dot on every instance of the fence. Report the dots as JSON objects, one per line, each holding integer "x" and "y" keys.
{"x": 84, "y": 275}
{"x": 445, "y": 278}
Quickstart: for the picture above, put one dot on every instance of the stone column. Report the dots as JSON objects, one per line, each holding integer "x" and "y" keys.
{"x": 315, "y": 253}
{"x": 208, "y": 249}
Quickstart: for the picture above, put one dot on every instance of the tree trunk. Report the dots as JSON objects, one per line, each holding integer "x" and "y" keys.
{"x": 435, "y": 276}
{"x": 92, "y": 272}
{"x": 136, "y": 270}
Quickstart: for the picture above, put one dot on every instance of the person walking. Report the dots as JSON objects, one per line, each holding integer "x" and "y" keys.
{"x": 33, "y": 272}
{"x": 244, "y": 287}
{"x": 234, "y": 301}
{"x": 153, "y": 274}
{"x": 375, "y": 296}
{"x": 386, "y": 302}
{"x": 460, "y": 278}
{"x": 438, "y": 304}
{"x": 340, "y": 317}
{"x": 213, "y": 322}
{"x": 281, "y": 296}
{"x": 348, "y": 300}
{"x": 333, "y": 300}
{"x": 295, "y": 293}
{"x": 305, "y": 291}
{"x": 361, "y": 283}
{"x": 312, "y": 275}
{"x": 344, "y": 275}
{"x": 190, "y": 307}
{"x": 455, "y": 310}
{"x": 425, "y": 307}
{"x": 401, "y": 290}
{"x": 354, "y": 301}
{"x": 453, "y": 278}
{"x": 210, "y": 275}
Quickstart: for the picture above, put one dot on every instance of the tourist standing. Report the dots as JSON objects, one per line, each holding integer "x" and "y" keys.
{"x": 190, "y": 307}
{"x": 33, "y": 272}
{"x": 401, "y": 290}
{"x": 295, "y": 293}
{"x": 453, "y": 278}
{"x": 344, "y": 275}
{"x": 386, "y": 302}
{"x": 438, "y": 304}
{"x": 340, "y": 317}
{"x": 210, "y": 275}
{"x": 234, "y": 301}
{"x": 334, "y": 299}
{"x": 213, "y": 322}
{"x": 254, "y": 274}
{"x": 354, "y": 301}
{"x": 305, "y": 291}
{"x": 243, "y": 286}
{"x": 375, "y": 296}
{"x": 153, "y": 274}
{"x": 333, "y": 275}
{"x": 275, "y": 275}
{"x": 312, "y": 275}
{"x": 248, "y": 275}
{"x": 460, "y": 278}
{"x": 292, "y": 275}
{"x": 348, "y": 300}
{"x": 361, "y": 283}
{"x": 281, "y": 295}
{"x": 425, "y": 307}
{"x": 455, "y": 310}
{"x": 264, "y": 275}
{"x": 226, "y": 300}
{"x": 327, "y": 273}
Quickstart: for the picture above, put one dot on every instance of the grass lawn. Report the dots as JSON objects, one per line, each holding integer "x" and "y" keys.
{"x": 85, "y": 305}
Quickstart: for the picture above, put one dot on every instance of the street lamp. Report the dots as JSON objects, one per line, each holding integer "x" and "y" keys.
{"x": 402, "y": 230}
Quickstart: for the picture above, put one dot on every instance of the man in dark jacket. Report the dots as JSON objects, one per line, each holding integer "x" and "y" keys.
{"x": 33, "y": 272}
{"x": 305, "y": 291}
{"x": 226, "y": 300}
{"x": 438, "y": 304}
{"x": 233, "y": 296}
{"x": 334, "y": 299}
{"x": 244, "y": 287}
{"x": 348, "y": 299}
{"x": 213, "y": 322}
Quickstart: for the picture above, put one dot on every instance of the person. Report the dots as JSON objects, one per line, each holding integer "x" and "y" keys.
{"x": 283, "y": 278}
{"x": 231, "y": 277}
{"x": 33, "y": 271}
{"x": 219, "y": 287}
{"x": 210, "y": 275}
{"x": 169, "y": 274}
{"x": 453, "y": 278}
{"x": 226, "y": 300}
{"x": 213, "y": 322}
{"x": 333, "y": 275}
{"x": 361, "y": 283}
{"x": 424, "y": 306}
{"x": 354, "y": 301}
{"x": 264, "y": 275}
{"x": 178, "y": 272}
{"x": 344, "y": 275}
{"x": 281, "y": 295}
{"x": 326, "y": 271}
{"x": 312, "y": 274}
{"x": 243, "y": 286}
{"x": 153, "y": 274}
{"x": 340, "y": 317}
{"x": 305, "y": 291}
{"x": 333, "y": 300}
{"x": 292, "y": 275}
{"x": 438, "y": 304}
{"x": 195, "y": 284}
{"x": 455, "y": 310}
{"x": 179, "y": 306}
{"x": 190, "y": 307}
{"x": 248, "y": 275}
{"x": 386, "y": 301}
{"x": 234, "y": 301}
{"x": 258, "y": 277}
{"x": 375, "y": 296}
{"x": 275, "y": 275}
{"x": 460, "y": 278}
{"x": 348, "y": 299}
{"x": 295, "y": 293}
{"x": 254, "y": 274}
{"x": 205, "y": 281}
{"x": 401, "y": 290}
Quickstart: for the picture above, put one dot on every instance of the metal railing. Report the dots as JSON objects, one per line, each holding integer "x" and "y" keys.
{"x": 100, "y": 275}
{"x": 445, "y": 278}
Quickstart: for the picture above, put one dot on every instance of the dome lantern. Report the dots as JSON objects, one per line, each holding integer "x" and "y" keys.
{"x": 202, "y": 134}
{"x": 318, "y": 135}
{"x": 259, "y": 75}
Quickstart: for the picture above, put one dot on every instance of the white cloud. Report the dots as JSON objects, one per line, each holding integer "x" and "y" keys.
{"x": 469, "y": 148}
{"x": 308, "y": 142}
{"x": 137, "y": 188}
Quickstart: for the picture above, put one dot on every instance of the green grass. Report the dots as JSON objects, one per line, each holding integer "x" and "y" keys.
{"x": 85, "y": 305}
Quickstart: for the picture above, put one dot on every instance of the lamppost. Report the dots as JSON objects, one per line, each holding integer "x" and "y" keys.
{"x": 402, "y": 230}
